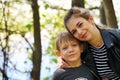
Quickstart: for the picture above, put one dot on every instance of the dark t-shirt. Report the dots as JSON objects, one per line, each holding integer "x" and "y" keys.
{"x": 78, "y": 73}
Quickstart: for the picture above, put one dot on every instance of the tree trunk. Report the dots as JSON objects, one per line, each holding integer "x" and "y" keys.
{"x": 110, "y": 13}
{"x": 37, "y": 42}
{"x": 78, "y": 3}
{"x": 102, "y": 14}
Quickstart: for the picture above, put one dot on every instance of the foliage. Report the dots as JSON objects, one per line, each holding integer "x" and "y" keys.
{"x": 16, "y": 16}
{"x": 14, "y": 20}
{"x": 53, "y": 23}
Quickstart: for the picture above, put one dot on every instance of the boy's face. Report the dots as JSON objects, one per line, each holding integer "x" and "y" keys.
{"x": 70, "y": 51}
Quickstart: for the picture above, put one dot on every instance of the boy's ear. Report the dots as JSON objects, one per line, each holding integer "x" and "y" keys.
{"x": 81, "y": 48}
{"x": 58, "y": 53}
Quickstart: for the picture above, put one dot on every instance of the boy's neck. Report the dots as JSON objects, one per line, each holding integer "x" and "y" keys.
{"x": 75, "y": 63}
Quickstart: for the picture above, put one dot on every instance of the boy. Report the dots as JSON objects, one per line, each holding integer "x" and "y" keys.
{"x": 70, "y": 49}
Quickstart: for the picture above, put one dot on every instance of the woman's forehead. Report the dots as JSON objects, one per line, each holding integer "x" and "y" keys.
{"x": 72, "y": 23}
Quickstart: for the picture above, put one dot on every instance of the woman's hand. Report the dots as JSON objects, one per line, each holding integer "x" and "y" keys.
{"x": 62, "y": 63}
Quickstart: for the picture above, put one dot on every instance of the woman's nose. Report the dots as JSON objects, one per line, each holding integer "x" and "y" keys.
{"x": 79, "y": 31}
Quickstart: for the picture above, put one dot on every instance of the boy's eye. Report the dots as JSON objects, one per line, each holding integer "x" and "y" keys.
{"x": 64, "y": 48}
{"x": 74, "y": 45}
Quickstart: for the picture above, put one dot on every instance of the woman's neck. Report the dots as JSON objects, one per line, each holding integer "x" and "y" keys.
{"x": 97, "y": 40}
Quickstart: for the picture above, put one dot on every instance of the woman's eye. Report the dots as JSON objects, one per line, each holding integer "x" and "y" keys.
{"x": 74, "y": 31}
{"x": 80, "y": 24}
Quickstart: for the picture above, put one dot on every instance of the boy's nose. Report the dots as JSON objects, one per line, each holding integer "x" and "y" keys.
{"x": 70, "y": 49}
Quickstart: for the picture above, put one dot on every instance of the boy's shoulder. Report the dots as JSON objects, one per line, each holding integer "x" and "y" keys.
{"x": 59, "y": 71}
{"x": 73, "y": 73}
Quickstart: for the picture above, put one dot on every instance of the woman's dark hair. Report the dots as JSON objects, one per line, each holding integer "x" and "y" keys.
{"x": 76, "y": 12}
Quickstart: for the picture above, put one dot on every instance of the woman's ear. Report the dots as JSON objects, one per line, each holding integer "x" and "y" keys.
{"x": 58, "y": 53}
{"x": 91, "y": 19}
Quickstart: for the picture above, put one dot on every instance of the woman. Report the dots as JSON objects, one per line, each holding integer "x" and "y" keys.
{"x": 102, "y": 46}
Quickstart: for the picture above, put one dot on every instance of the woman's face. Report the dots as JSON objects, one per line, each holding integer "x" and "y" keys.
{"x": 81, "y": 28}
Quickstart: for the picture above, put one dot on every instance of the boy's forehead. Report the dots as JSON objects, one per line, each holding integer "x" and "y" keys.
{"x": 69, "y": 41}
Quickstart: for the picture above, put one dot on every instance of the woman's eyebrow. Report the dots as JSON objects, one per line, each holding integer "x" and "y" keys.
{"x": 78, "y": 23}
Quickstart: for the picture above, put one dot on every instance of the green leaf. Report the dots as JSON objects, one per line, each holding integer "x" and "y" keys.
{"x": 46, "y": 6}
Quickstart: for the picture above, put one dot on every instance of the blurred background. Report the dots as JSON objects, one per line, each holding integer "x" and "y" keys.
{"x": 28, "y": 29}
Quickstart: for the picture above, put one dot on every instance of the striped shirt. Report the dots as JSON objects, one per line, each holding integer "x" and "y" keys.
{"x": 101, "y": 59}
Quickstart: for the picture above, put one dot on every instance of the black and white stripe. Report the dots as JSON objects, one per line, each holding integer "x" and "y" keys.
{"x": 101, "y": 59}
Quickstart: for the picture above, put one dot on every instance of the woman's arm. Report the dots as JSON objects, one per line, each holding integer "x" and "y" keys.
{"x": 62, "y": 63}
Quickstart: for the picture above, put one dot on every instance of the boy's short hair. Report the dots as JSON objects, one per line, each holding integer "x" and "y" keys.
{"x": 63, "y": 37}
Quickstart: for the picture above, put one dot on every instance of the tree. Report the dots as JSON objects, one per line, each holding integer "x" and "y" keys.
{"x": 102, "y": 14}
{"x": 37, "y": 42}
{"x": 8, "y": 29}
{"x": 79, "y": 3}
{"x": 110, "y": 13}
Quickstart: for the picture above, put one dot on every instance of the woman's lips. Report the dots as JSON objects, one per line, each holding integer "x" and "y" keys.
{"x": 84, "y": 35}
